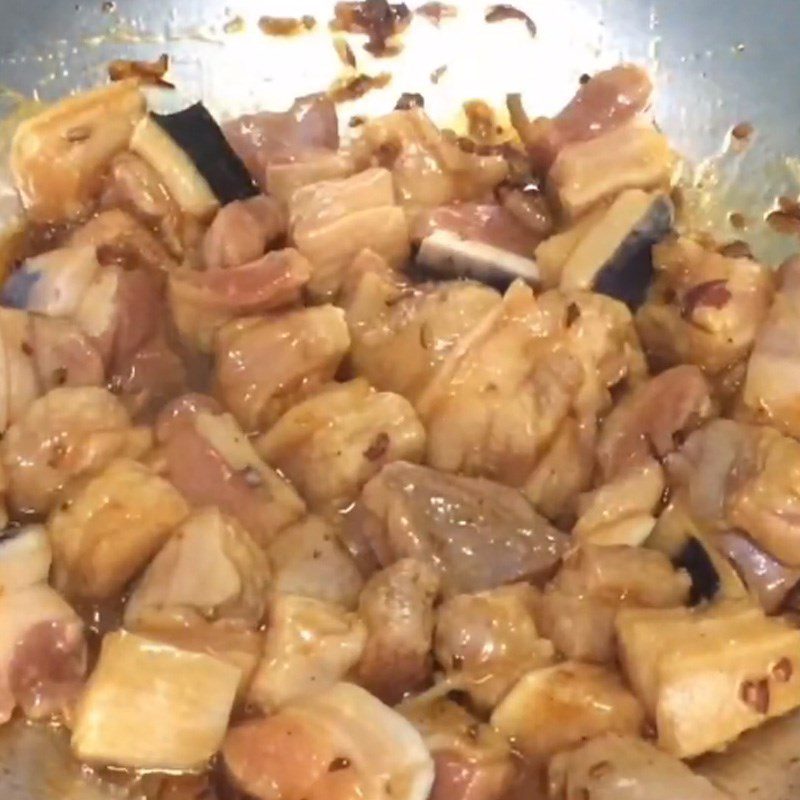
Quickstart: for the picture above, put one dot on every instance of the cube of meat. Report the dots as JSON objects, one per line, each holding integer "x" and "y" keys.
{"x": 225, "y": 640}
{"x": 340, "y": 742}
{"x": 564, "y": 470}
{"x": 473, "y": 761}
{"x": 704, "y": 308}
{"x": 578, "y": 608}
{"x": 402, "y": 334}
{"x": 62, "y": 356}
{"x": 58, "y": 156}
{"x": 476, "y": 533}
{"x": 772, "y": 386}
{"x": 621, "y": 511}
{"x": 68, "y": 434}
{"x": 397, "y": 607}
{"x": 330, "y": 445}
{"x": 485, "y": 642}
{"x": 43, "y": 654}
{"x": 428, "y": 170}
{"x": 743, "y": 476}
{"x": 210, "y": 568}
{"x": 501, "y": 395}
{"x": 266, "y": 365}
{"x": 310, "y": 646}
{"x": 705, "y": 676}
{"x": 307, "y": 559}
{"x": 111, "y": 528}
{"x": 634, "y": 156}
{"x": 332, "y": 221}
{"x": 613, "y": 767}
{"x": 558, "y": 707}
{"x": 207, "y": 456}
{"x": 137, "y": 681}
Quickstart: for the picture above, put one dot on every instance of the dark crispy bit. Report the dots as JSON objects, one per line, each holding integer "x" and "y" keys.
{"x": 786, "y": 217}
{"x": 286, "y": 26}
{"x": 737, "y": 220}
{"x": 409, "y": 100}
{"x": 378, "y": 19}
{"x": 378, "y": 448}
{"x": 502, "y": 12}
{"x": 782, "y": 671}
{"x": 436, "y": 12}
{"x": 735, "y": 249}
{"x": 742, "y": 131}
{"x": 150, "y": 72}
{"x": 352, "y": 88}
{"x": 481, "y": 122}
{"x": 705, "y": 578}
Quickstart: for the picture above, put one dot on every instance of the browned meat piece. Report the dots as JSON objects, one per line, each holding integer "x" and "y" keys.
{"x": 58, "y": 156}
{"x": 397, "y": 606}
{"x": 266, "y": 365}
{"x": 310, "y": 645}
{"x": 111, "y": 528}
{"x": 333, "y": 221}
{"x": 68, "y": 434}
{"x": 704, "y": 308}
{"x": 336, "y": 744}
{"x": 241, "y": 232}
{"x": 587, "y": 173}
{"x": 485, "y": 642}
{"x": 477, "y": 533}
{"x": 330, "y": 445}
{"x": 402, "y": 334}
{"x": 504, "y": 390}
{"x": 579, "y": 607}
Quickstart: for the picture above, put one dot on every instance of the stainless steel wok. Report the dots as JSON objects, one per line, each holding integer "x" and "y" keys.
{"x": 716, "y": 62}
